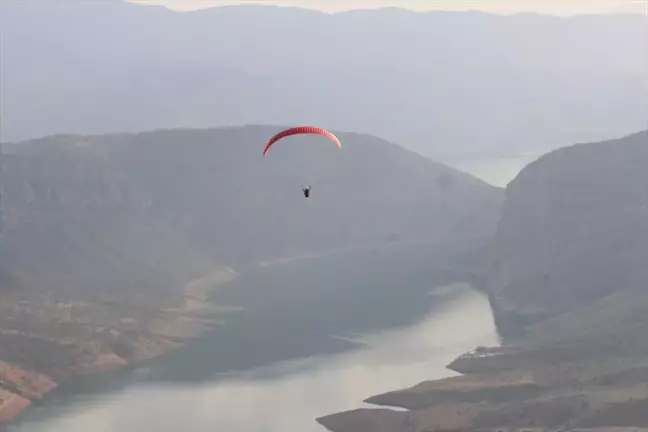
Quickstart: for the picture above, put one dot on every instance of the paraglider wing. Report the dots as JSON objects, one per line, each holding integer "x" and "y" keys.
{"x": 302, "y": 130}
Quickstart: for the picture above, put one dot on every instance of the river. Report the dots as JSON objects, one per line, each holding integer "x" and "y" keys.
{"x": 316, "y": 336}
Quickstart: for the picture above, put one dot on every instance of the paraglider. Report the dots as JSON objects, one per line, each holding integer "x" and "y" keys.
{"x": 302, "y": 130}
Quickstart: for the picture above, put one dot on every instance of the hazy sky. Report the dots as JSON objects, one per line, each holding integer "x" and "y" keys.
{"x": 558, "y": 7}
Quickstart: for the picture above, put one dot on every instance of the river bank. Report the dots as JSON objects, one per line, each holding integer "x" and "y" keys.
{"x": 585, "y": 385}
{"x": 187, "y": 318}
{"x": 191, "y": 389}
{"x": 145, "y": 335}
{"x": 119, "y": 336}
{"x": 138, "y": 336}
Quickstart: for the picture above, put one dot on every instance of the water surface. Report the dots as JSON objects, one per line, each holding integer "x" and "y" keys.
{"x": 316, "y": 337}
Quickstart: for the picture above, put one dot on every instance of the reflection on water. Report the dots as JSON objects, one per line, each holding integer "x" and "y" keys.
{"x": 288, "y": 396}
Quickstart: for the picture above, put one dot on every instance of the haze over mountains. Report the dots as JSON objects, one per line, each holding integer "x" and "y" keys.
{"x": 111, "y": 239}
{"x": 434, "y": 82}
{"x": 109, "y": 245}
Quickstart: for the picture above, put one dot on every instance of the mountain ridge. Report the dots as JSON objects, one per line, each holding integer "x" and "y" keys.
{"x": 179, "y": 71}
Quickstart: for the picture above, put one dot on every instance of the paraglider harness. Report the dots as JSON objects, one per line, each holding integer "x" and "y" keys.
{"x": 306, "y": 190}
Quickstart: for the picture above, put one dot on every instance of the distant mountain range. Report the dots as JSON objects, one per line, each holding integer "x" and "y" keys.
{"x": 437, "y": 83}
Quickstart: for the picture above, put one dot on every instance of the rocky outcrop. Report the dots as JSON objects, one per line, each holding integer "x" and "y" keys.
{"x": 574, "y": 229}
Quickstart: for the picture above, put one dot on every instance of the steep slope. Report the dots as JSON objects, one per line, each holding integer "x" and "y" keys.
{"x": 110, "y": 244}
{"x": 225, "y": 196}
{"x": 574, "y": 229}
{"x": 415, "y": 78}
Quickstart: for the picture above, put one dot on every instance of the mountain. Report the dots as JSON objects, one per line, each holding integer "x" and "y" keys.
{"x": 574, "y": 229}
{"x": 443, "y": 82}
{"x": 226, "y": 197}
{"x": 569, "y": 271}
{"x": 111, "y": 244}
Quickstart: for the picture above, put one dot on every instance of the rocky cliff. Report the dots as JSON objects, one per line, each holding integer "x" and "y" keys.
{"x": 574, "y": 229}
